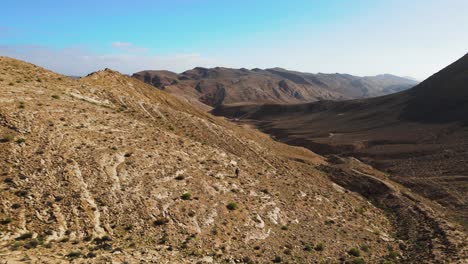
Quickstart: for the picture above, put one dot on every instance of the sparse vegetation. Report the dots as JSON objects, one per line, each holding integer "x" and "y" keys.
{"x": 6, "y": 138}
{"x": 74, "y": 255}
{"x": 91, "y": 255}
{"x": 358, "y": 261}
{"x": 179, "y": 178}
{"x": 186, "y": 196}
{"x": 284, "y": 228}
{"x": 365, "y": 248}
{"x": 161, "y": 221}
{"x": 20, "y": 140}
{"x": 319, "y": 247}
{"x": 354, "y": 252}
{"x": 277, "y": 259}
{"x": 64, "y": 240}
{"x": 31, "y": 244}
{"x": 16, "y": 245}
{"x": 55, "y": 96}
{"x": 308, "y": 247}
{"x": 232, "y": 206}
{"x": 24, "y": 236}
{"x": 6, "y": 221}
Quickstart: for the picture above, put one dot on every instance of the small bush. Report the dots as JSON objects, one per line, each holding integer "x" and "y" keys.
{"x": 277, "y": 259}
{"x": 74, "y": 255}
{"x": 91, "y": 255}
{"x": 161, "y": 221}
{"x": 354, "y": 252}
{"x": 20, "y": 140}
{"x": 16, "y": 245}
{"x": 6, "y": 138}
{"x": 6, "y": 221}
{"x": 21, "y": 193}
{"x": 55, "y": 96}
{"x": 232, "y": 206}
{"x": 365, "y": 248}
{"x": 186, "y": 196}
{"x": 24, "y": 236}
{"x": 308, "y": 248}
{"x": 392, "y": 255}
{"x": 284, "y": 228}
{"x": 31, "y": 244}
{"x": 319, "y": 247}
{"x": 11, "y": 84}
{"x": 358, "y": 261}
{"x": 179, "y": 178}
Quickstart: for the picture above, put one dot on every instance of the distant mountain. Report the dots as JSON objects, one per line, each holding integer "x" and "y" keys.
{"x": 419, "y": 136}
{"x": 224, "y": 86}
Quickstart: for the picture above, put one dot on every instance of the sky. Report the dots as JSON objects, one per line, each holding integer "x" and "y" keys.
{"x": 361, "y": 37}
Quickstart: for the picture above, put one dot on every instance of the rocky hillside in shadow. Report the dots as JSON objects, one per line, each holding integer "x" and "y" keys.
{"x": 108, "y": 169}
{"x": 224, "y": 86}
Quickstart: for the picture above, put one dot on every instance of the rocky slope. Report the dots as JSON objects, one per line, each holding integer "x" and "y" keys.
{"x": 419, "y": 136}
{"x": 224, "y": 86}
{"x": 108, "y": 169}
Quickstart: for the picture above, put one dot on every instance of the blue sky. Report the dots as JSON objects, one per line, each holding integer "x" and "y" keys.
{"x": 362, "y": 37}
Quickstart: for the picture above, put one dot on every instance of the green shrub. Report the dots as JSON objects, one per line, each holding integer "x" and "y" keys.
{"x": 24, "y": 236}
{"x": 55, "y": 96}
{"x": 186, "y": 196}
{"x": 365, "y": 248}
{"x": 358, "y": 261}
{"x": 308, "y": 247}
{"x": 161, "y": 221}
{"x": 232, "y": 206}
{"x": 277, "y": 259}
{"x": 6, "y": 138}
{"x": 319, "y": 247}
{"x": 284, "y": 228}
{"x": 6, "y": 221}
{"x": 354, "y": 252}
{"x": 16, "y": 245}
{"x": 31, "y": 244}
{"x": 74, "y": 255}
{"x": 20, "y": 140}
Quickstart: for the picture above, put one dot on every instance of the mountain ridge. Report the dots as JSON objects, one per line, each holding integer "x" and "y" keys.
{"x": 224, "y": 86}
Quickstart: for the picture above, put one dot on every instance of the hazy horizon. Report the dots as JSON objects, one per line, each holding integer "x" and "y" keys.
{"x": 363, "y": 38}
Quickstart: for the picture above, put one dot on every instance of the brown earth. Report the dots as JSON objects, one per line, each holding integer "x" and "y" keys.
{"x": 224, "y": 86}
{"x": 107, "y": 169}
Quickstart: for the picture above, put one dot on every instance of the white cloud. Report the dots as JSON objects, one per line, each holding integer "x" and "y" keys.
{"x": 80, "y": 61}
{"x": 119, "y": 44}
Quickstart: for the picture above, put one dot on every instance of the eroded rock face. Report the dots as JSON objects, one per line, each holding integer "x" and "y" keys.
{"x": 109, "y": 168}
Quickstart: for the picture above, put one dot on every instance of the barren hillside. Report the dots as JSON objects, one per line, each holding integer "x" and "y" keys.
{"x": 107, "y": 168}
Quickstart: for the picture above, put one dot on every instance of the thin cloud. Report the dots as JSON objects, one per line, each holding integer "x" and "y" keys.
{"x": 80, "y": 61}
{"x": 119, "y": 44}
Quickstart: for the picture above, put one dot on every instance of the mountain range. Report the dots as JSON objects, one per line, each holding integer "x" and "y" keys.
{"x": 225, "y": 86}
